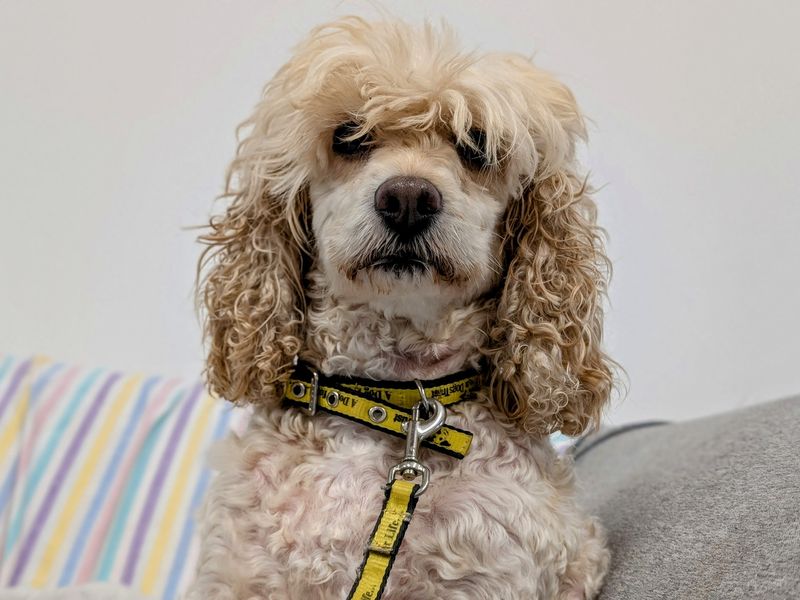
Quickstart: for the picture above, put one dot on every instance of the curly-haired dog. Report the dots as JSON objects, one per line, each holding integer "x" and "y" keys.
{"x": 400, "y": 210}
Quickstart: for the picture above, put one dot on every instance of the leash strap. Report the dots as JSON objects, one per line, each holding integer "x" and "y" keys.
{"x": 398, "y": 507}
{"x": 384, "y": 408}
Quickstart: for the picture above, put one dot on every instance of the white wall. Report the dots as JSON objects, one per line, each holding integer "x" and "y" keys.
{"x": 117, "y": 123}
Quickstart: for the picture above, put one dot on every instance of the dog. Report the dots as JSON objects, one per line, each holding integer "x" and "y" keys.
{"x": 399, "y": 211}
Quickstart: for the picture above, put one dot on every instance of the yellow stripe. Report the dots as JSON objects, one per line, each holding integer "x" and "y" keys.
{"x": 82, "y": 482}
{"x": 11, "y": 431}
{"x": 179, "y": 485}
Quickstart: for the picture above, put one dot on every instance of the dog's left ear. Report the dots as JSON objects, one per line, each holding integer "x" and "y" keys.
{"x": 549, "y": 371}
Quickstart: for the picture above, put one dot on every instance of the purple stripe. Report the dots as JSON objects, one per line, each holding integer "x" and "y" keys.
{"x": 58, "y": 480}
{"x": 12, "y": 387}
{"x": 158, "y": 481}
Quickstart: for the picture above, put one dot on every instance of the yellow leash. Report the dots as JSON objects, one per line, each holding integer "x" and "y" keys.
{"x": 395, "y": 408}
{"x": 385, "y": 540}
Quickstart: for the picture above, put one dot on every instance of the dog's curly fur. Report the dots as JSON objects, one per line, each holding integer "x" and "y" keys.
{"x": 513, "y": 279}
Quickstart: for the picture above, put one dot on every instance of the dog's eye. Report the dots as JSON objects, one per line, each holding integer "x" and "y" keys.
{"x": 474, "y": 156}
{"x": 346, "y": 145}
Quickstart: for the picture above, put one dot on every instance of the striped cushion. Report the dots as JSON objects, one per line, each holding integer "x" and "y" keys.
{"x": 100, "y": 474}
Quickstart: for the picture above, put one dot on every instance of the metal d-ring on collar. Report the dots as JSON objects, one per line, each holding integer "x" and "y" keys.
{"x": 423, "y": 396}
{"x": 417, "y": 431}
{"x": 301, "y": 391}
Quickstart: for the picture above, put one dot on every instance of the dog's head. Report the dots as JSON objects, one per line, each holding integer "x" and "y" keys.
{"x": 413, "y": 177}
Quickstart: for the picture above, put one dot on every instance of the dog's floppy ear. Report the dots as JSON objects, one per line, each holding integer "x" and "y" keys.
{"x": 549, "y": 371}
{"x": 250, "y": 274}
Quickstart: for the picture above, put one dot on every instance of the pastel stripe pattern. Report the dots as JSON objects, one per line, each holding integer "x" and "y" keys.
{"x": 101, "y": 474}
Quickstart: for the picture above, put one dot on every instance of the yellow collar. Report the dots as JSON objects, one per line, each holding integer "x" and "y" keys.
{"x": 385, "y": 405}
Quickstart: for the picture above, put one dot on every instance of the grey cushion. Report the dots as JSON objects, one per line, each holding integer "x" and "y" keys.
{"x": 703, "y": 509}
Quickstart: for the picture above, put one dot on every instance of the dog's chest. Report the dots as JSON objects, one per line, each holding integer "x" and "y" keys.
{"x": 317, "y": 489}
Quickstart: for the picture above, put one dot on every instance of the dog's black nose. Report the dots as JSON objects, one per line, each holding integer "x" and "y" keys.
{"x": 408, "y": 205}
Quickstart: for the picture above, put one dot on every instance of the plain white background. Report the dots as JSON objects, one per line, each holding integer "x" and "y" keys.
{"x": 117, "y": 122}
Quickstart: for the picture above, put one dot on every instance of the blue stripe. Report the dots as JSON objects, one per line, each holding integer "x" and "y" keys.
{"x": 4, "y": 367}
{"x": 45, "y": 458}
{"x": 133, "y": 486}
{"x": 8, "y": 484}
{"x": 111, "y": 469}
{"x": 179, "y": 562}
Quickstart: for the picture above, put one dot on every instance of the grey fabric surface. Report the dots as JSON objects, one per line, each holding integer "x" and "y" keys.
{"x": 702, "y": 509}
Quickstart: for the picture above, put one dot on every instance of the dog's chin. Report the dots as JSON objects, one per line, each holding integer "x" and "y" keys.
{"x": 403, "y": 285}
{"x": 398, "y": 282}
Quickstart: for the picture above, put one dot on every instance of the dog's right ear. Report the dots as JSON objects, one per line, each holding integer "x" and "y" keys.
{"x": 250, "y": 274}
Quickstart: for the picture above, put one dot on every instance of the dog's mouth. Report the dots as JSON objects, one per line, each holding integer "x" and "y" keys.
{"x": 404, "y": 262}
{"x": 400, "y": 264}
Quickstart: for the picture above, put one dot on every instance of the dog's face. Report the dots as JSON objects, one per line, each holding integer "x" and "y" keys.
{"x": 414, "y": 178}
{"x": 407, "y": 221}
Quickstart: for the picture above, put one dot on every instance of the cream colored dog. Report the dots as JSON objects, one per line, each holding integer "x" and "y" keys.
{"x": 400, "y": 210}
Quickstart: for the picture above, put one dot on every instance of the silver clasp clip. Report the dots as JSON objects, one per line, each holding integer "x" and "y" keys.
{"x": 418, "y": 431}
